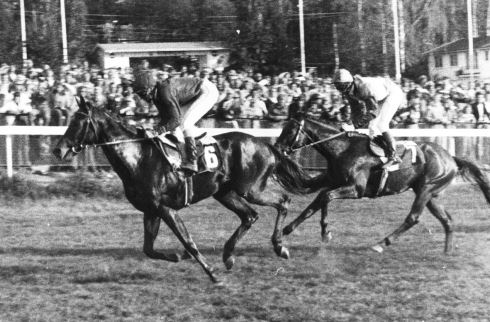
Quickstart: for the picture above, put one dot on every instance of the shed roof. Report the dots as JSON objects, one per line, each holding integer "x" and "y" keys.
{"x": 162, "y": 46}
{"x": 461, "y": 45}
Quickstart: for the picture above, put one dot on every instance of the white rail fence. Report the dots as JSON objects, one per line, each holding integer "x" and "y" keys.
{"x": 447, "y": 135}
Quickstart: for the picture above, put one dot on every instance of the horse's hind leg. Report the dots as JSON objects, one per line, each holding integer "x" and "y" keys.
{"x": 152, "y": 225}
{"x": 281, "y": 203}
{"x": 179, "y": 229}
{"x": 321, "y": 201}
{"x": 248, "y": 216}
{"x": 421, "y": 199}
{"x": 445, "y": 219}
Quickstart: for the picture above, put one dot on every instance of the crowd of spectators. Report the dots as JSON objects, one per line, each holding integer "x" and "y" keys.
{"x": 43, "y": 96}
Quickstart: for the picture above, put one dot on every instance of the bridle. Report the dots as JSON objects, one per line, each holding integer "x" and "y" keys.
{"x": 301, "y": 125}
{"x": 76, "y": 149}
{"x": 89, "y": 122}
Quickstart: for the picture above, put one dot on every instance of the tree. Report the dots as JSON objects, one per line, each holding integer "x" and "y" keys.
{"x": 262, "y": 41}
{"x": 10, "y": 51}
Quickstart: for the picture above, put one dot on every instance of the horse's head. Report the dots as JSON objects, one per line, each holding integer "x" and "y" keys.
{"x": 292, "y": 135}
{"x": 301, "y": 131}
{"x": 83, "y": 130}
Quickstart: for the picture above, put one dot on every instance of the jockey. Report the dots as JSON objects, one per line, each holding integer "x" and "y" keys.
{"x": 381, "y": 97}
{"x": 169, "y": 95}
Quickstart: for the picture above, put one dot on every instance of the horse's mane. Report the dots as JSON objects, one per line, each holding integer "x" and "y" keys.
{"x": 119, "y": 120}
{"x": 332, "y": 126}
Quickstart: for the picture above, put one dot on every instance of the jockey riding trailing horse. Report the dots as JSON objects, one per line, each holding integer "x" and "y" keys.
{"x": 381, "y": 97}
{"x": 197, "y": 95}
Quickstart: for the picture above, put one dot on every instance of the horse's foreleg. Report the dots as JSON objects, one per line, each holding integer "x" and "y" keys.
{"x": 421, "y": 199}
{"x": 321, "y": 201}
{"x": 281, "y": 203}
{"x": 152, "y": 225}
{"x": 248, "y": 216}
{"x": 326, "y": 235}
{"x": 445, "y": 219}
{"x": 179, "y": 229}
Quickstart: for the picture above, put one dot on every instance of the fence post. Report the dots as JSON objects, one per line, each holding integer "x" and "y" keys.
{"x": 10, "y": 120}
{"x": 8, "y": 154}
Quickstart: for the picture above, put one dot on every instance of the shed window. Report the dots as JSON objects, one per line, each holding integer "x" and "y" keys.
{"x": 454, "y": 59}
{"x": 438, "y": 61}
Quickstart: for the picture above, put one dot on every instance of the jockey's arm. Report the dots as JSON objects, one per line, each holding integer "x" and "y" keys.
{"x": 169, "y": 108}
{"x": 371, "y": 104}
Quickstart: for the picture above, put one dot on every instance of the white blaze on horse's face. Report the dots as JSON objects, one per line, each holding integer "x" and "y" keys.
{"x": 301, "y": 125}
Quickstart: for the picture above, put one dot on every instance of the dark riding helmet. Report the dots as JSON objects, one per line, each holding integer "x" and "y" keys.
{"x": 343, "y": 80}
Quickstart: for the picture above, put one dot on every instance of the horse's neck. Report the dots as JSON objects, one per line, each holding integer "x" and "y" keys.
{"x": 329, "y": 148}
{"x": 125, "y": 157}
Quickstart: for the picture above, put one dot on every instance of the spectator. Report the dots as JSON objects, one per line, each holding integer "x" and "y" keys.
{"x": 231, "y": 106}
{"x": 254, "y": 106}
{"x": 279, "y": 110}
{"x": 481, "y": 110}
{"x": 436, "y": 111}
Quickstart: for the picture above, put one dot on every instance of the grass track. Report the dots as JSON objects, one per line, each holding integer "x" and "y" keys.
{"x": 66, "y": 260}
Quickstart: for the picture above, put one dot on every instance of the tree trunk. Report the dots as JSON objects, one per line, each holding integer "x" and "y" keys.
{"x": 361, "y": 36}
{"x": 335, "y": 45}
{"x": 401, "y": 19}
{"x": 383, "y": 42}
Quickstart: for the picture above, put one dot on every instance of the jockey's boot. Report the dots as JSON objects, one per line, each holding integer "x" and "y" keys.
{"x": 189, "y": 162}
{"x": 393, "y": 158}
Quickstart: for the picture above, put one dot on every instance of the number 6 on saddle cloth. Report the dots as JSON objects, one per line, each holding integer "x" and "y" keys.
{"x": 208, "y": 157}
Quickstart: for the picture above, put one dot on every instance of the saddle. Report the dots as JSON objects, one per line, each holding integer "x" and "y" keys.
{"x": 208, "y": 157}
{"x": 408, "y": 151}
{"x": 208, "y": 153}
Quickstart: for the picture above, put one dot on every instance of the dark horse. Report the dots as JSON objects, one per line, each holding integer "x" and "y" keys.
{"x": 354, "y": 172}
{"x": 154, "y": 188}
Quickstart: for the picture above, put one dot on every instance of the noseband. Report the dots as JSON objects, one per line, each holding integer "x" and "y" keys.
{"x": 89, "y": 122}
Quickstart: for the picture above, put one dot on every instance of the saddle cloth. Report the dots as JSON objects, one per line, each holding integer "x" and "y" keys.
{"x": 408, "y": 151}
{"x": 208, "y": 152}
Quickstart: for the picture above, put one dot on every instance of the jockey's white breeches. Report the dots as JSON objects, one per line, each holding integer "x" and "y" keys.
{"x": 199, "y": 107}
{"x": 387, "y": 110}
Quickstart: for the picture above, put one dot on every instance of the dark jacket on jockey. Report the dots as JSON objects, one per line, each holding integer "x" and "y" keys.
{"x": 171, "y": 94}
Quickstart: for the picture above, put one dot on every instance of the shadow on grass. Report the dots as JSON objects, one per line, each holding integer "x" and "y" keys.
{"x": 126, "y": 252}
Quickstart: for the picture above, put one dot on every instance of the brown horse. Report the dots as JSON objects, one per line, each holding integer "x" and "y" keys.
{"x": 355, "y": 172}
{"x": 153, "y": 187}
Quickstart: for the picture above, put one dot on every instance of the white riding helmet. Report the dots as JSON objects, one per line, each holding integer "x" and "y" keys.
{"x": 343, "y": 80}
{"x": 343, "y": 76}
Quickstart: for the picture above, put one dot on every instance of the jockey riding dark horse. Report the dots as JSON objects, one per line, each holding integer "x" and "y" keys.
{"x": 378, "y": 96}
{"x": 195, "y": 96}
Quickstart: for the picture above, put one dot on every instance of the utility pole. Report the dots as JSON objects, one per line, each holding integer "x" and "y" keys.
{"x": 302, "y": 37}
{"x": 394, "y": 8}
{"x": 63, "y": 31}
{"x": 23, "y": 31}
{"x": 470, "y": 41}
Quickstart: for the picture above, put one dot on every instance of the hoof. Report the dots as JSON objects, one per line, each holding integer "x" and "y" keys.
{"x": 284, "y": 252}
{"x": 377, "y": 248}
{"x": 287, "y": 230}
{"x": 327, "y": 237}
{"x": 229, "y": 262}
{"x": 174, "y": 258}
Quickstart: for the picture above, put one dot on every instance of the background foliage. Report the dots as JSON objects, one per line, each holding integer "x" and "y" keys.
{"x": 263, "y": 34}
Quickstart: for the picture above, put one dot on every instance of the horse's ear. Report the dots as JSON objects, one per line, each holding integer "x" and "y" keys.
{"x": 82, "y": 105}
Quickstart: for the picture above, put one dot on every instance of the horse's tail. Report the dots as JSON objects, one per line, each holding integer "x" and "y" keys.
{"x": 470, "y": 170}
{"x": 293, "y": 178}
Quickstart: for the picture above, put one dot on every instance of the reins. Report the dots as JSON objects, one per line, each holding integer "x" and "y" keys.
{"x": 300, "y": 129}
{"x": 91, "y": 122}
